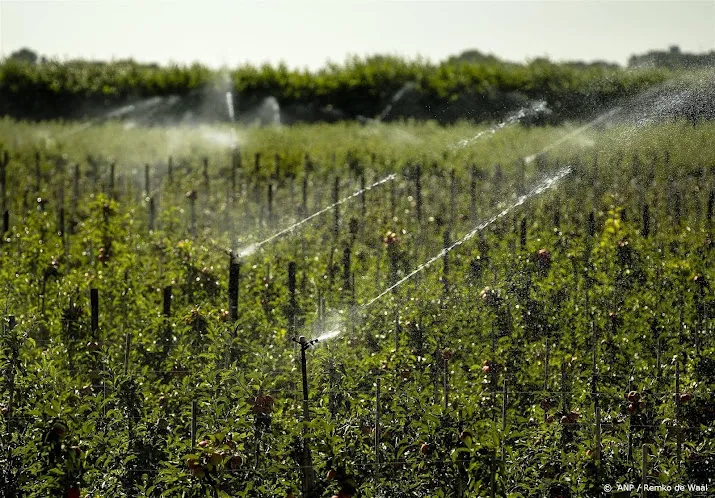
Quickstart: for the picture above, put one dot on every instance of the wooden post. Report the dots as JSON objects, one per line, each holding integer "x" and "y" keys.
{"x": 270, "y": 204}
{"x": 363, "y": 198}
{"x": 445, "y": 384}
{"x": 321, "y": 307}
{"x": 10, "y": 404}
{"x": 147, "y": 180}
{"x": 546, "y": 373}
{"x": 277, "y": 173}
{"x": 304, "y": 203}
{"x": 473, "y": 195}
{"x": 206, "y": 172}
{"x": 94, "y": 164}
{"x": 492, "y": 474}
{"x": 521, "y": 179}
{"x": 235, "y": 166}
{"x": 596, "y": 407}
{"x": 418, "y": 193}
{"x": 677, "y": 208}
{"x": 94, "y": 304}
{"x": 167, "y": 314}
{"x": 564, "y": 401}
{"x": 678, "y": 431}
{"x": 127, "y": 349}
{"x": 711, "y": 203}
{"x": 347, "y": 271}
{"x": 192, "y": 200}
{"x": 377, "y": 428}
{"x": 591, "y": 224}
{"x": 112, "y": 193}
{"x": 397, "y": 329}
{"x": 505, "y": 402}
{"x": 452, "y": 197}
{"x": 557, "y": 216}
{"x": 152, "y": 214}
{"x": 644, "y": 471}
{"x": 170, "y": 170}
{"x": 167, "y": 302}
{"x": 393, "y": 198}
{"x": 75, "y": 189}
{"x": 257, "y": 163}
{"x": 522, "y": 234}
{"x": 336, "y": 211}
{"x": 293, "y": 302}
{"x": 658, "y": 365}
{"x": 446, "y": 242}
{"x": 646, "y": 221}
{"x": 3, "y": 178}
{"x": 234, "y": 274}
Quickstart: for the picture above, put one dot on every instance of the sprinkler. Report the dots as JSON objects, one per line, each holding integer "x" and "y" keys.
{"x": 308, "y": 475}
{"x": 305, "y": 344}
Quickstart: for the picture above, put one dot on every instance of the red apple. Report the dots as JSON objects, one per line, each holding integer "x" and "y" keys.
{"x": 425, "y": 448}
{"x": 73, "y": 492}
{"x": 632, "y": 408}
{"x": 685, "y": 397}
{"x": 331, "y": 475}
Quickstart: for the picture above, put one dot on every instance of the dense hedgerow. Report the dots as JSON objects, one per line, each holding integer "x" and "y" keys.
{"x": 360, "y": 87}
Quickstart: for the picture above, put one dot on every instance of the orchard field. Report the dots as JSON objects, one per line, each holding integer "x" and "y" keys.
{"x": 148, "y": 321}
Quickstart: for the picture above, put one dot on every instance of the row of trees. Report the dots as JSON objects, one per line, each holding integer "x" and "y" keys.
{"x": 461, "y": 88}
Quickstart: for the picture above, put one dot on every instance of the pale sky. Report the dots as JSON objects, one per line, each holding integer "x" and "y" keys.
{"x": 307, "y": 33}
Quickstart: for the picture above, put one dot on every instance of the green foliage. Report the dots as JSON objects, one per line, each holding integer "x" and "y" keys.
{"x": 456, "y": 89}
{"x": 114, "y": 422}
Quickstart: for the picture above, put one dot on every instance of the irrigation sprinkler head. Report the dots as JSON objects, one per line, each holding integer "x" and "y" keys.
{"x": 304, "y": 342}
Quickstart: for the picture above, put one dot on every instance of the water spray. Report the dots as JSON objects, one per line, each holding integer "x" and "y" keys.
{"x": 546, "y": 184}
{"x": 395, "y": 98}
{"x": 142, "y": 106}
{"x": 534, "y": 109}
{"x": 574, "y": 133}
{"x": 229, "y": 106}
{"x": 251, "y": 248}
